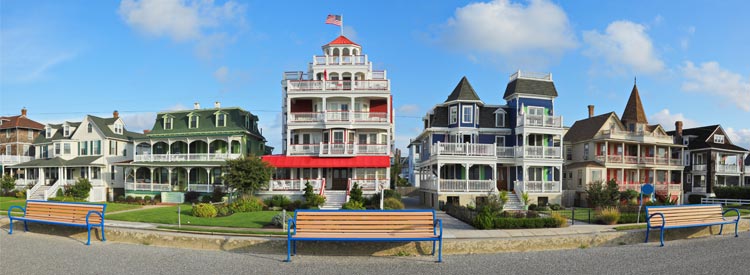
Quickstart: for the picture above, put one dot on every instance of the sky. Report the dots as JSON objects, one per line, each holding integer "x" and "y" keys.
{"x": 65, "y": 59}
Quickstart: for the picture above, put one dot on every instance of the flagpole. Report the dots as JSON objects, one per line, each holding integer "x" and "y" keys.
{"x": 342, "y": 24}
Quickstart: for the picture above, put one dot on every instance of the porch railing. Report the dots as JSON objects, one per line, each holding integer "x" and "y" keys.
{"x": 370, "y": 184}
{"x": 33, "y": 190}
{"x": 458, "y": 185}
{"x": 142, "y": 186}
{"x": 185, "y": 157}
{"x": 337, "y": 85}
{"x": 293, "y": 184}
{"x": 699, "y": 167}
{"x": 540, "y": 121}
{"x": 539, "y": 186}
{"x": 207, "y": 188}
{"x": 9, "y": 159}
{"x": 539, "y": 152}
{"x": 727, "y": 168}
{"x": 306, "y": 117}
{"x": 505, "y": 152}
{"x": 371, "y": 116}
{"x": 464, "y": 149}
{"x": 304, "y": 149}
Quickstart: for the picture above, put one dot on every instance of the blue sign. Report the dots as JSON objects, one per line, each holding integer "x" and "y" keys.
{"x": 647, "y": 189}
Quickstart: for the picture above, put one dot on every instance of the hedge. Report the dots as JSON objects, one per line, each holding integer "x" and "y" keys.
{"x": 732, "y": 192}
{"x": 515, "y": 223}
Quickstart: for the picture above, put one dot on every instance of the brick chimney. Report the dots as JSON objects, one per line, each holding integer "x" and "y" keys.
{"x": 678, "y": 128}
{"x": 591, "y": 111}
{"x": 23, "y": 111}
{"x": 196, "y": 105}
{"x": 145, "y": 131}
{"x": 115, "y": 114}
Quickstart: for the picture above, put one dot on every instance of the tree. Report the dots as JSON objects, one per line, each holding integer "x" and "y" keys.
{"x": 7, "y": 183}
{"x": 356, "y": 194}
{"x": 247, "y": 174}
{"x": 600, "y": 195}
{"x": 80, "y": 190}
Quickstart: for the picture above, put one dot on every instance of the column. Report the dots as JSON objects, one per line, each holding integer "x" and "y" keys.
{"x": 467, "y": 167}
{"x": 622, "y": 175}
{"x": 209, "y": 180}
{"x": 437, "y": 179}
{"x": 494, "y": 177}
{"x": 189, "y": 169}
{"x": 351, "y": 110}
{"x": 151, "y": 150}
{"x": 188, "y": 149}
{"x": 638, "y": 155}
{"x": 151, "y": 169}
{"x": 606, "y": 151}
{"x": 169, "y": 177}
{"x": 669, "y": 155}
{"x": 324, "y": 110}
{"x": 622, "y": 155}
{"x": 654, "y": 161}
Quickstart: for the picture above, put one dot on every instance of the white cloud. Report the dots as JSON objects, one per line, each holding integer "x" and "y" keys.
{"x": 137, "y": 122}
{"x": 667, "y": 120}
{"x": 623, "y": 47}
{"x": 184, "y": 20}
{"x": 709, "y": 78}
{"x": 222, "y": 74}
{"x": 408, "y": 109}
{"x": 30, "y": 54}
{"x": 510, "y": 30}
{"x": 739, "y": 137}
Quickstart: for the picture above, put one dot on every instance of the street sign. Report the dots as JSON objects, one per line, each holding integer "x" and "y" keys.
{"x": 647, "y": 189}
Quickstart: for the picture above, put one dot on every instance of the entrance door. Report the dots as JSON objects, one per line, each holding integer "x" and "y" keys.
{"x": 502, "y": 179}
{"x": 339, "y": 178}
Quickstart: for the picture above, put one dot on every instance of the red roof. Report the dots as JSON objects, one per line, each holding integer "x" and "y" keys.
{"x": 282, "y": 161}
{"x": 20, "y": 122}
{"x": 342, "y": 40}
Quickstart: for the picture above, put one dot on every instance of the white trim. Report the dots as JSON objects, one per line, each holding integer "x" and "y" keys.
{"x": 453, "y": 115}
{"x": 500, "y": 122}
{"x": 463, "y": 113}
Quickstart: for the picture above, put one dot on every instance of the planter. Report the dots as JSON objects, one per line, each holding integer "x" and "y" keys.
{"x": 526, "y": 207}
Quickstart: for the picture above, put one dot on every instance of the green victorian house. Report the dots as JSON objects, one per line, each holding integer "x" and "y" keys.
{"x": 186, "y": 150}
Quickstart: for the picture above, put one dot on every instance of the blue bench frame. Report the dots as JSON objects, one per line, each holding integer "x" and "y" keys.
{"x": 662, "y": 227}
{"x": 291, "y": 243}
{"x": 88, "y": 225}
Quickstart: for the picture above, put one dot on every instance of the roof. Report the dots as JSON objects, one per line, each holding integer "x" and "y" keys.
{"x": 235, "y": 123}
{"x": 701, "y": 140}
{"x": 586, "y": 129}
{"x": 342, "y": 40}
{"x": 20, "y": 121}
{"x": 487, "y": 117}
{"x": 589, "y": 163}
{"x": 282, "y": 161}
{"x": 60, "y": 162}
{"x": 439, "y": 118}
{"x": 463, "y": 91}
{"x": 104, "y": 123}
{"x": 530, "y": 87}
{"x": 634, "y": 109}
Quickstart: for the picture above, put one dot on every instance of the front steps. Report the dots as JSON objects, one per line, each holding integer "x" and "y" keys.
{"x": 334, "y": 200}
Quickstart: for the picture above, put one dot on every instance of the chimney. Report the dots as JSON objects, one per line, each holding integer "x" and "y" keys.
{"x": 591, "y": 111}
{"x": 23, "y": 111}
{"x": 145, "y": 131}
{"x": 196, "y": 105}
{"x": 678, "y": 128}
{"x": 115, "y": 114}
{"x": 217, "y": 105}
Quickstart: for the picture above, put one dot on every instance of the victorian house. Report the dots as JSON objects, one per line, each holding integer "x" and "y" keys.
{"x": 185, "y": 150}
{"x": 337, "y": 126}
{"x": 469, "y": 149}
{"x": 625, "y": 149}
{"x": 711, "y": 159}
{"x": 86, "y": 149}
{"x": 17, "y": 134}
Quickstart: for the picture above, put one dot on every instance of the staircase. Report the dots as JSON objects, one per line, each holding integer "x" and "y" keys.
{"x": 334, "y": 200}
{"x": 513, "y": 203}
{"x": 39, "y": 193}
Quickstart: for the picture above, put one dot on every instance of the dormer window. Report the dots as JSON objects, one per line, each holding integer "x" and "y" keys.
{"x": 168, "y": 121}
{"x": 467, "y": 114}
{"x": 90, "y": 128}
{"x": 66, "y": 130}
{"x": 193, "y": 121}
{"x": 454, "y": 114}
{"x": 719, "y": 139}
{"x": 247, "y": 121}
{"x": 48, "y": 132}
{"x": 499, "y": 120}
{"x": 118, "y": 128}
{"x": 221, "y": 120}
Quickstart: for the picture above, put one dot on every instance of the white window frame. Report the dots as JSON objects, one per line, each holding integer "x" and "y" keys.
{"x": 66, "y": 148}
{"x": 500, "y": 144}
{"x": 464, "y": 112}
{"x": 499, "y": 119}
{"x": 535, "y": 110}
{"x": 7, "y": 133}
{"x": 223, "y": 119}
{"x": 192, "y": 118}
{"x": 719, "y": 139}
{"x": 90, "y": 128}
{"x": 48, "y": 132}
{"x": 453, "y": 114}
{"x": 30, "y": 134}
{"x": 66, "y": 131}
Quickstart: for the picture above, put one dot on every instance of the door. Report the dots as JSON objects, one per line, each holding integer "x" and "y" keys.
{"x": 502, "y": 179}
{"x": 339, "y": 178}
{"x": 337, "y": 146}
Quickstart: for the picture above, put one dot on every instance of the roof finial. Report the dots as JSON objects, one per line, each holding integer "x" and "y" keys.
{"x": 635, "y": 80}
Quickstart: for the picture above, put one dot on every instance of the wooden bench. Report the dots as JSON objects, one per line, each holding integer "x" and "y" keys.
{"x": 683, "y": 216}
{"x": 364, "y": 226}
{"x": 61, "y": 213}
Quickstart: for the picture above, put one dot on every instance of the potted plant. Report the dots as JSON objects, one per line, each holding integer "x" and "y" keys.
{"x": 525, "y": 200}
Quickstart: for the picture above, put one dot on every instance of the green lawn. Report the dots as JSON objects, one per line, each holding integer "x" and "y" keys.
{"x": 168, "y": 215}
{"x": 209, "y": 230}
{"x": 7, "y": 202}
{"x": 581, "y": 214}
{"x": 631, "y": 227}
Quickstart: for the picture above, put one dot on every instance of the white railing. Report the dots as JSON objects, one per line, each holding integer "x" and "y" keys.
{"x": 304, "y": 149}
{"x": 458, "y": 185}
{"x": 725, "y": 201}
{"x": 207, "y": 188}
{"x": 616, "y": 133}
{"x": 337, "y": 149}
{"x": 727, "y": 168}
{"x": 340, "y": 60}
{"x": 370, "y": 184}
{"x": 371, "y": 149}
{"x": 630, "y": 159}
{"x": 52, "y": 190}
{"x": 293, "y": 184}
{"x": 428, "y": 184}
{"x": 143, "y": 186}
{"x": 371, "y": 116}
{"x": 186, "y": 157}
{"x": 464, "y": 149}
{"x": 675, "y": 162}
{"x": 540, "y": 121}
{"x": 539, "y": 152}
{"x": 699, "y": 167}
{"x": 539, "y": 186}
{"x": 647, "y": 160}
{"x": 9, "y": 159}
{"x": 614, "y": 158}
{"x": 337, "y": 85}
{"x": 662, "y": 160}
{"x": 33, "y": 190}
{"x": 531, "y": 75}
{"x": 337, "y": 116}
{"x": 505, "y": 152}
{"x": 306, "y": 117}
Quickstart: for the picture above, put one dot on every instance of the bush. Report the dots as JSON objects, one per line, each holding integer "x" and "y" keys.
{"x": 608, "y": 216}
{"x": 248, "y": 204}
{"x": 629, "y": 195}
{"x": 147, "y": 199}
{"x": 21, "y": 194}
{"x": 513, "y": 223}
{"x": 732, "y": 192}
{"x": 279, "y": 201}
{"x": 533, "y": 207}
{"x": 80, "y": 190}
{"x": 298, "y": 204}
{"x": 390, "y": 193}
{"x": 120, "y": 198}
{"x": 494, "y": 203}
{"x": 560, "y": 221}
{"x": 192, "y": 196}
{"x": 519, "y": 215}
{"x": 309, "y": 192}
{"x": 279, "y": 220}
{"x": 695, "y": 199}
{"x": 204, "y": 210}
{"x": 505, "y": 214}
{"x": 315, "y": 200}
{"x": 542, "y": 208}
{"x": 356, "y": 194}
{"x": 555, "y": 207}
{"x": 484, "y": 220}
{"x": 462, "y": 213}
{"x": 60, "y": 193}
{"x": 129, "y": 199}
{"x": 631, "y": 217}
{"x": 353, "y": 205}
{"x": 218, "y": 194}
{"x": 7, "y": 183}
{"x": 206, "y": 199}
{"x": 602, "y": 195}
{"x": 532, "y": 214}
{"x": 139, "y": 200}
{"x": 393, "y": 203}
{"x": 223, "y": 210}
{"x": 157, "y": 198}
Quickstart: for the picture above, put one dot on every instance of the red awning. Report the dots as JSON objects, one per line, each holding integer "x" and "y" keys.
{"x": 282, "y": 161}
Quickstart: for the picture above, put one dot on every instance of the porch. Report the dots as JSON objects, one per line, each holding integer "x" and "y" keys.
{"x": 188, "y": 149}
{"x": 458, "y": 177}
{"x": 180, "y": 179}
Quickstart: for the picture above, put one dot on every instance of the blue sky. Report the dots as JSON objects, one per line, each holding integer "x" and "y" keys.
{"x": 65, "y": 59}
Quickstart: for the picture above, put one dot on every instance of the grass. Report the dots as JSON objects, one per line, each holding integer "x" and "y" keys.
{"x": 168, "y": 215}
{"x": 211, "y": 230}
{"x": 630, "y": 227}
{"x": 7, "y": 202}
{"x": 582, "y": 214}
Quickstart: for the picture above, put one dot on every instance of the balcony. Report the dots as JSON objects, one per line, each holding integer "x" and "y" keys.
{"x": 727, "y": 168}
{"x": 352, "y": 149}
{"x": 458, "y": 185}
{"x": 506, "y": 152}
{"x": 540, "y": 121}
{"x": 303, "y": 149}
{"x": 306, "y": 117}
{"x": 636, "y": 160}
{"x": 144, "y": 186}
{"x": 338, "y": 117}
{"x": 8, "y": 159}
{"x": 337, "y": 85}
{"x": 539, "y": 152}
{"x": 294, "y": 184}
{"x": 185, "y": 157}
{"x": 699, "y": 167}
{"x": 340, "y": 60}
{"x": 463, "y": 149}
{"x": 538, "y": 186}
{"x": 639, "y": 136}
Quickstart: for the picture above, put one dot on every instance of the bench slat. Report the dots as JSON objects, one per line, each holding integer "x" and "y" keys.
{"x": 367, "y": 235}
{"x": 421, "y": 222}
{"x": 362, "y": 213}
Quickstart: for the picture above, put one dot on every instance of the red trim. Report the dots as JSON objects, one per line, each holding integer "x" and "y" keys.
{"x": 282, "y": 161}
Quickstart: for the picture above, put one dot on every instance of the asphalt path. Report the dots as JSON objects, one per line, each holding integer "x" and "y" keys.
{"x": 31, "y": 253}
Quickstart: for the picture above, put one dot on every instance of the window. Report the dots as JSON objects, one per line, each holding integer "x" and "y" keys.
{"x": 57, "y": 148}
{"x": 500, "y": 141}
{"x": 568, "y": 153}
{"x": 596, "y": 176}
{"x": 499, "y": 120}
{"x": 221, "y": 120}
{"x": 96, "y": 173}
{"x": 48, "y": 132}
{"x": 247, "y": 121}
{"x": 467, "y": 114}
{"x": 7, "y": 150}
{"x": 585, "y": 151}
{"x": 90, "y": 128}
{"x": 66, "y": 130}
{"x": 193, "y": 121}
{"x": 66, "y": 148}
{"x": 536, "y": 111}
{"x": 719, "y": 139}
{"x": 7, "y": 133}
{"x": 84, "y": 148}
{"x": 113, "y": 147}
{"x": 25, "y": 150}
{"x": 96, "y": 147}
{"x": 454, "y": 114}
{"x": 30, "y": 134}
{"x": 118, "y": 128}
{"x": 168, "y": 123}
{"x": 112, "y": 172}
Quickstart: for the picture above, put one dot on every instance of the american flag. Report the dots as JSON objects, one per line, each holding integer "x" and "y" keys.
{"x": 333, "y": 19}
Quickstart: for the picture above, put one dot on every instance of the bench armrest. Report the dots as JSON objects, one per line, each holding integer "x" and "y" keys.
{"x": 16, "y": 206}
{"x": 731, "y": 209}
{"x": 663, "y": 221}
{"x": 291, "y": 222}
{"x": 101, "y": 216}
{"x": 438, "y": 222}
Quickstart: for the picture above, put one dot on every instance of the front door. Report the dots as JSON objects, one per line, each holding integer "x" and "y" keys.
{"x": 340, "y": 178}
{"x": 502, "y": 179}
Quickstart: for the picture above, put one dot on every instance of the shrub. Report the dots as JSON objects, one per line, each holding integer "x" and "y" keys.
{"x": 139, "y": 200}
{"x": 732, "y": 192}
{"x": 129, "y": 199}
{"x": 206, "y": 199}
{"x": 609, "y": 215}
{"x": 532, "y": 214}
{"x": 560, "y": 221}
{"x": 356, "y": 194}
{"x": 503, "y": 196}
{"x": 223, "y": 210}
{"x": 309, "y": 192}
{"x": 60, "y": 193}
{"x": 21, "y": 194}
{"x": 294, "y": 205}
{"x": 204, "y": 210}
{"x": 218, "y": 194}
{"x": 353, "y": 205}
{"x": 629, "y": 195}
{"x": 542, "y": 208}
{"x": 315, "y": 200}
{"x": 120, "y": 198}
{"x": 695, "y": 198}
{"x": 280, "y": 201}
{"x": 390, "y": 193}
{"x": 533, "y": 207}
{"x": 505, "y": 214}
{"x": 602, "y": 195}
{"x": 484, "y": 220}
{"x": 157, "y": 198}
{"x": 147, "y": 199}
{"x": 247, "y": 204}
{"x": 631, "y": 217}
{"x": 393, "y": 203}
{"x": 555, "y": 207}
{"x": 80, "y": 190}
{"x": 7, "y": 183}
{"x": 519, "y": 215}
{"x": 192, "y": 196}
{"x": 279, "y": 220}
{"x": 513, "y": 223}
{"x": 494, "y": 203}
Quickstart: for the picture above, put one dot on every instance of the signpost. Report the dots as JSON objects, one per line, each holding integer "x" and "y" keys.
{"x": 647, "y": 189}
